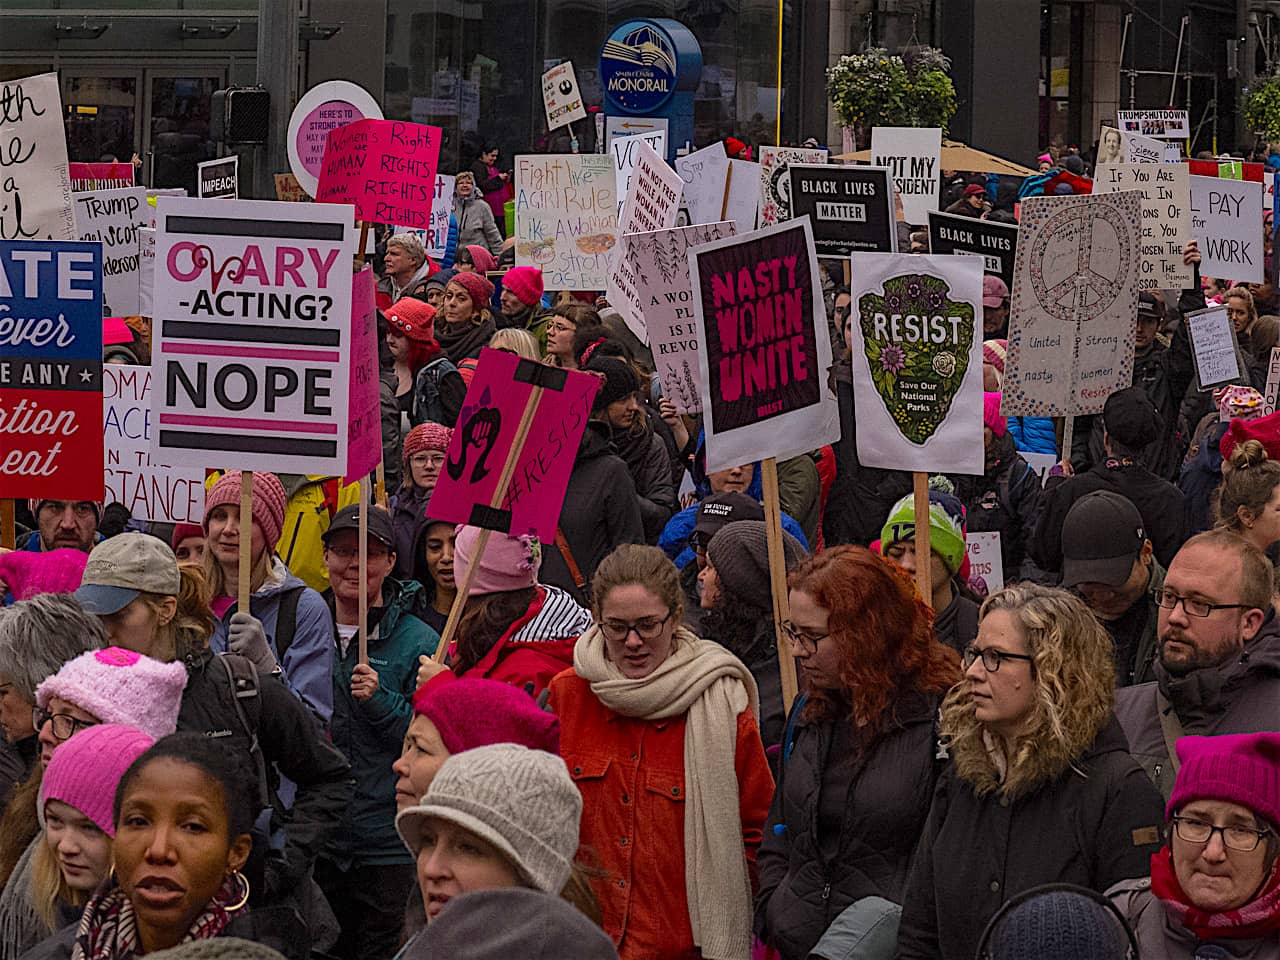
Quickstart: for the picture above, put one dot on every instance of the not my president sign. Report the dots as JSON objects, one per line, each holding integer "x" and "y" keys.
{"x": 851, "y": 208}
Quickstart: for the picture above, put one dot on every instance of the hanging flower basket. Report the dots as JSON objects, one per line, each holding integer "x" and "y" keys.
{"x": 879, "y": 89}
{"x": 1262, "y": 109}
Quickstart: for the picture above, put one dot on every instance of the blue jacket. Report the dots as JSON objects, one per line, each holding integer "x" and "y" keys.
{"x": 1033, "y": 434}
{"x": 675, "y": 535}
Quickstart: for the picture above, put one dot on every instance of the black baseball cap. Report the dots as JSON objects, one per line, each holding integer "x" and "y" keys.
{"x": 1131, "y": 417}
{"x": 348, "y": 518}
{"x": 721, "y": 508}
{"x": 1102, "y": 535}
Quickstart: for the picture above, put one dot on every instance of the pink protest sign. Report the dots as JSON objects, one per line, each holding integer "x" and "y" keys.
{"x": 364, "y": 415}
{"x": 387, "y": 168}
{"x": 100, "y": 176}
{"x": 483, "y": 438}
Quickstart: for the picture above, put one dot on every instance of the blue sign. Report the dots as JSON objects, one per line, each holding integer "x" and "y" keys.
{"x": 651, "y": 68}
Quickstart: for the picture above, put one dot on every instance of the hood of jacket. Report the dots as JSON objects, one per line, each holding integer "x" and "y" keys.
{"x": 595, "y": 442}
{"x": 280, "y": 579}
{"x": 1205, "y": 694}
{"x": 702, "y": 483}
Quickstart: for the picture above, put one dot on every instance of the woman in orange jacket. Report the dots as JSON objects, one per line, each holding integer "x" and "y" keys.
{"x": 659, "y": 731}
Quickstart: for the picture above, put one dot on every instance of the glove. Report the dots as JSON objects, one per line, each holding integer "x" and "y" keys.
{"x": 246, "y": 638}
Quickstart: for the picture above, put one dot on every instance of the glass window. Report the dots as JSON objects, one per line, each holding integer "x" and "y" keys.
{"x": 100, "y": 118}
{"x": 180, "y": 132}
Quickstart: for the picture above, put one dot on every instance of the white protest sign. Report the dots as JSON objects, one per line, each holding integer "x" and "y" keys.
{"x": 561, "y": 97}
{"x": 435, "y": 238}
{"x": 567, "y": 218}
{"x": 1116, "y": 147}
{"x": 913, "y": 154}
{"x": 113, "y": 218}
{"x": 1226, "y": 222}
{"x": 1273, "y": 382}
{"x": 743, "y": 189}
{"x": 1166, "y": 218}
{"x": 653, "y": 203}
{"x": 1040, "y": 463}
{"x": 985, "y": 561}
{"x": 146, "y": 271}
{"x": 251, "y": 339}
{"x": 1161, "y": 124}
{"x": 703, "y": 173}
{"x": 775, "y": 185}
{"x": 626, "y": 155}
{"x": 1213, "y": 347}
{"x": 917, "y": 361}
{"x": 150, "y": 491}
{"x": 35, "y": 181}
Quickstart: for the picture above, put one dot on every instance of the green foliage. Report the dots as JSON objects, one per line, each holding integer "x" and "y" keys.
{"x": 877, "y": 89}
{"x": 1262, "y": 109}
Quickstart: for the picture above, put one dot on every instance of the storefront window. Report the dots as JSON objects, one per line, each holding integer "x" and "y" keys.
{"x": 1061, "y": 74}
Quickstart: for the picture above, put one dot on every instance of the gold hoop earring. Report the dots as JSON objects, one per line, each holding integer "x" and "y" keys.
{"x": 111, "y": 876}
{"x": 232, "y": 908}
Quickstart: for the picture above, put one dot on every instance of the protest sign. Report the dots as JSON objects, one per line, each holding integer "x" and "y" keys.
{"x": 1161, "y": 124}
{"x": 1074, "y": 304}
{"x": 100, "y": 176}
{"x": 851, "y": 208}
{"x": 763, "y": 345}
{"x": 484, "y": 437}
{"x": 436, "y": 239}
{"x": 703, "y": 174}
{"x": 322, "y": 109}
{"x": 385, "y": 168}
{"x": 743, "y": 190}
{"x": 218, "y": 179}
{"x": 626, "y": 155}
{"x": 364, "y": 422}
{"x": 912, "y": 155}
{"x": 566, "y": 218}
{"x": 775, "y": 188}
{"x": 1214, "y": 353}
{"x": 917, "y": 361}
{"x": 661, "y": 264}
{"x": 985, "y": 560}
{"x": 995, "y": 243}
{"x": 146, "y": 271}
{"x": 251, "y": 335}
{"x": 561, "y": 97}
{"x": 1116, "y": 146}
{"x": 1273, "y": 382}
{"x": 113, "y": 218}
{"x": 35, "y": 189}
{"x": 51, "y": 369}
{"x": 149, "y": 490}
{"x": 1166, "y": 218}
{"x": 289, "y": 189}
{"x": 1226, "y": 223}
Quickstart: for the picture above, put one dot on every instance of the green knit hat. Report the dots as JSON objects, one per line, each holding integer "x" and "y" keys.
{"x": 946, "y": 523}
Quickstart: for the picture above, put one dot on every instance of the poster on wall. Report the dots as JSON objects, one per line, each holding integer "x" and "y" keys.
{"x": 566, "y": 218}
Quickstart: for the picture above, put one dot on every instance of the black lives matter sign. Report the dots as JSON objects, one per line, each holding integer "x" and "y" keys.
{"x": 995, "y": 243}
{"x": 851, "y": 208}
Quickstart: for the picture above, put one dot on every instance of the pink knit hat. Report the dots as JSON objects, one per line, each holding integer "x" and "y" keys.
{"x": 991, "y": 414}
{"x": 476, "y": 713}
{"x": 509, "y": 563}
{"x": 481, "y": 258}
{"x": 525, "y": 283}
{"x": 1241, "y": 768}
{"x": 994, "y": 352}
{"x": 28, "y": 573}
{"x": 120, "y": 686}
{"x": 86, "y": 770}
{"x": 269, "y": 501}
{"x": 478, "y": 288}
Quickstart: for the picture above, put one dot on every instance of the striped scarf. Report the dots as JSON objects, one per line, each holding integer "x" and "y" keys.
{"x": 108, "y": 929}
{"x": 1255, "y": 920}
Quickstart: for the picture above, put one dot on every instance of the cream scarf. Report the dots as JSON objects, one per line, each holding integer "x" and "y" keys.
{"x": 712, "y": 686}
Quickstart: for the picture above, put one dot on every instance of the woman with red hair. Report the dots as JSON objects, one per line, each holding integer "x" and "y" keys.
{"x": 428, "y": 387}
{"x": 857, "y": 769}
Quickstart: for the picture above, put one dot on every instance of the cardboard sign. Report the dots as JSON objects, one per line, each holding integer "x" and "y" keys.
{"x": 321, "y": 110}
{"x": 661, "y": 262}
{"x": 1161, "y": 124}
{"x": 763, "y": 346}
{"x": 113, "y": 218}
{"x": 1226, "y": 223}
{"x": 289, "y": 189}
{"x": 1214, "y": 352}
{"x": 1074, "y": 304}
{"x": 561, "y": 97}
{"x": 851, "y": 208}
{"x": 985, "y": 559}
{"x": 100, "y": 176}
{"x": 913, "y": 155}
{"x": 703, "y": 174}
{"x": 995, "y": 243}
{"x": 1166, "y": 218}
{"x": 385, "y": 168}
{"x": 775, "y": 188}
{"x": 364, "y": 424}
{"x": 150, "y": 490}
{"x": 626, "y": 157}
{"x": 218, "y": 179}
{"x": 917, "y": 361}
{"x": 251, "y": 341}
{"x": 567, "y": 218}
{"x": 484, "y": 435}
{"x": 35, "y": 182}
{"x": 50, "y": 369}
{"x": 146, "y": 271}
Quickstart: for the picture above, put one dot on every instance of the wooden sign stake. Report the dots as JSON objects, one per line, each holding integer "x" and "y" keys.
{"x": 380, "y": 489}
{"x": 246, "y": 541}
{"x": 362, "y": 631}
{"x": 778, "y": 578}
{"x": 8, "y": 525}
{"x": 364, "y": 235}
{"x": 924, "y": 582}
{"x": 724, "y": 204}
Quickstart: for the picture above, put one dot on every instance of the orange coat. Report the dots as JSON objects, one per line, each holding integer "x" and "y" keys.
{"x": 631, "y": 775}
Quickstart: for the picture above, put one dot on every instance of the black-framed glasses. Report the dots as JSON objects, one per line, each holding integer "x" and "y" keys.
{"x": 646, "y": 629}
{"x": 1242, "y": 839}
{"x": 64, "y": 725}
{"x": 1191, "y": 606}
{"x": 805, "y": 641}
{"x": 991, "y": 658}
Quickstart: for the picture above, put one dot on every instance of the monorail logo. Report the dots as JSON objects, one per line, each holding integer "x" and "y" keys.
{"x": 638, "y": 66}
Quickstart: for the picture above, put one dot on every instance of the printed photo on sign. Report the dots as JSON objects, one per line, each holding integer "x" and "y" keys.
{"x": 851, "y": 208}
{"x": 1161, "y": 124}
{"x": 775, "y": 189}
{"x": 995, "y": 243}
{"x": 566, "y": 218}
{"x": 35, "y": 182}
{"x": 913, "y": 155}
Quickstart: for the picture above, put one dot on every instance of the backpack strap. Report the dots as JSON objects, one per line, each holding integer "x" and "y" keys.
{"x": 242, "y": 678}
{"x": 788, "y": 734}
{"x": 562, "y": 544}
{"x": 287, "y": 619}
{"x": 1170, "y": 726}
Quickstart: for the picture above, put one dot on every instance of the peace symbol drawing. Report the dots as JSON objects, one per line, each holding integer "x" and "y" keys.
{"x": 1080, "y": 261}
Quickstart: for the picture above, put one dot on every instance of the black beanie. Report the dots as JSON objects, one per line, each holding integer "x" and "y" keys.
{"x": 620, "y": 380}
{"x": 740, "y": 553}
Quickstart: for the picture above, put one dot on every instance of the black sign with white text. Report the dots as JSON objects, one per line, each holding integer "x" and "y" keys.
{"x": 996, "y": 243}
{"x": 851, "y": 208}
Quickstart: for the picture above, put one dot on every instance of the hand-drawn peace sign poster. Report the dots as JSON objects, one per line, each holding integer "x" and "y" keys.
{"x": 917, "y": 361}
{"x": 1074, "y": 304}
{"x": 486, "y": 431}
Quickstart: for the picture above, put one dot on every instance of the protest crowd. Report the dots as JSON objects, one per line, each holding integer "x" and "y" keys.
{"x": 664, "y": 579}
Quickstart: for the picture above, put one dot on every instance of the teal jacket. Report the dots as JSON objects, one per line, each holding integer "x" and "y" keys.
{"x": 371, "y": 734}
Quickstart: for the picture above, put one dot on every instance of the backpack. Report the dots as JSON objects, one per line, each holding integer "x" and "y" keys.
{"x": 242, "y": 680}
{"x": 427, "y": 404}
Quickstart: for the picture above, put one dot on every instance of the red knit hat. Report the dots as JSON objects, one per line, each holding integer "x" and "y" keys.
{"x": 427, "y": 436}
{"x": 477, "y": 713}
{"x": 478, "y": 288}
{"x": 269, "y": 501}
{"x": 481, "y": 258}
{"x": 734, "y": 147}
{"x": 183, "y": 531}
{"x": 1265, "y": 430}
{"x": 413, "y": 318}
{"x": 1241, "y": 768}
{"x": 994, "y": 353}
{"x": 525, "y": 283}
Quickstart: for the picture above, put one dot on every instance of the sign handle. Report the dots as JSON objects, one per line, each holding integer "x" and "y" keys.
{"x": 8, "y": 525}
{"x": 246, "y": 541}
{"x": 724, "y": 204}
{"x": 924, "y": 584}
{"x": 364, "y": 236}
{"x": 778, "y": 578}
{"x": 363, "y": 632}
{"x": 380, "y": 488}
{"x": 495, "y": 502}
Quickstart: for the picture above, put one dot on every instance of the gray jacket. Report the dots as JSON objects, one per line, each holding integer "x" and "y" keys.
{"x": 476, "y": 225}
{"x": 1161, "y": 935}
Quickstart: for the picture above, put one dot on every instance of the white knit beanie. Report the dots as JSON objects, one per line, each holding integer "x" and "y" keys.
{"x": 520, "y": 800}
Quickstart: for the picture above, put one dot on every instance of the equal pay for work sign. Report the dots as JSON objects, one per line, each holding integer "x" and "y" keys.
{"x": 251, "y": 335}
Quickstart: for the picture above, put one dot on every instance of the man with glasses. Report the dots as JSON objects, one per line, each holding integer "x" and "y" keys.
{"x": 1218, "y": 666}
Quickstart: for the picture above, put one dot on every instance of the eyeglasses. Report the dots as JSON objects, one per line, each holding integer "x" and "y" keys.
{"x": 991, "y": 658}
{"x": 556, "y": 327}
{"x": 1192, "y": 607}
{"x": 842, "y": 311}
{"x": 353, "y": 553}
{"x": 646, "y": 629}
{"x": 64, "y": 725}
{"x": 1242, "y": 839}
{"x": 805, "y": 641}
{"x": 426, "y": 460}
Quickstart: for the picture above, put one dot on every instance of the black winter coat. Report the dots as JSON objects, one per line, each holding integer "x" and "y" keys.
{"x": 1004, "y": 500}
{"x": 646, "y": 456}
{"x": 802, "y": 890}
{"x": 1094, "y": 825}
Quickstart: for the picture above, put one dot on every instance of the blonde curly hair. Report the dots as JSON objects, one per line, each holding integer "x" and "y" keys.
{"x": 1074, "y": 675}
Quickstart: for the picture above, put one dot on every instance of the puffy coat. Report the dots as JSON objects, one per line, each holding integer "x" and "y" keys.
{"x": 805, "y": 879}
{"x": 1004, "y": 500}
{"x": 1094, "y": 824}
{"x": 647, "y": 458}
{"x": 1161, "y": 936}
{"x": 538, "y": 645}
{"x": 476, "y": 224}
{"x": 1033, "y": 434}
{"x": 1241, "y": 696}
{"x": 408, "y": 521}
{"x": 371, "y": 733}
